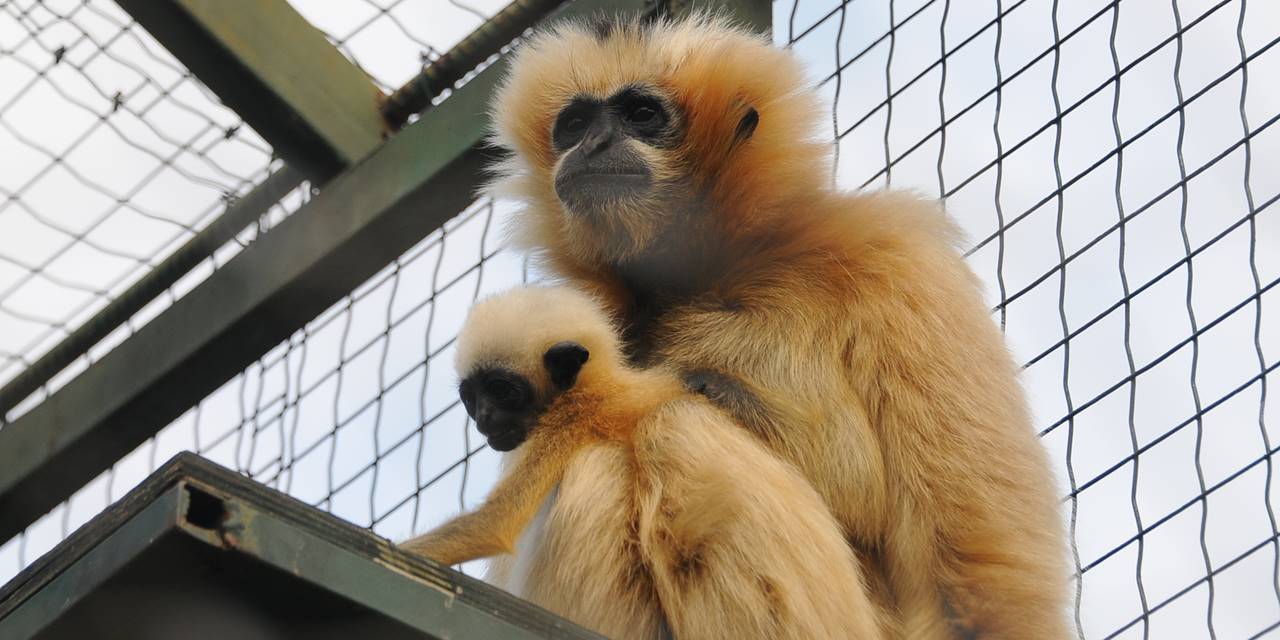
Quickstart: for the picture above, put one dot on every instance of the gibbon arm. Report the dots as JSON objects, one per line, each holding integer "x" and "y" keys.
{"x": 495, "y": 526}
{"x": 973, "y": 543}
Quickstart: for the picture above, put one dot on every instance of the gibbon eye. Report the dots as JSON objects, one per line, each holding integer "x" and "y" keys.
{"x": 575, "y": 125}
{"x": 572, "y": 123}
{"x": 500, "y": 390}
{"x": 642, "y": 114}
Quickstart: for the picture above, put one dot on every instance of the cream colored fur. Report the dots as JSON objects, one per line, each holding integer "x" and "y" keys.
{"x": 665, "y": 508}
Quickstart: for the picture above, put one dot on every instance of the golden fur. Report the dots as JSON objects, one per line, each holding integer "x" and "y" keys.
{"x": 850, "y": 319}
{"x": 687, "y": 514}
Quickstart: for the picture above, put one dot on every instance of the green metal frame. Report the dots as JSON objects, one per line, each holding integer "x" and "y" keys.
{"x": 224, "y": 523}
{"x": 235, "y": 218}
{"x": 372, "y": 212}
{"x": 317, "y": 109}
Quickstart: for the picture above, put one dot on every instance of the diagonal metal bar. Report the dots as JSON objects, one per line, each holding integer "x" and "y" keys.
{"x": 233, "y": 220}
{"x": 317, "y": 109}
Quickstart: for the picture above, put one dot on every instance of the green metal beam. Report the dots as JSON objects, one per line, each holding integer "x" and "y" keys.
{"x": 193, "y": 530}
{"x": 361, "y": 221}
{"x": 317, "y": 109}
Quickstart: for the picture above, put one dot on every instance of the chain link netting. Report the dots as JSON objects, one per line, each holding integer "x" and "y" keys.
{"x": 342, "y": 414}
{"x": 392, "y": 40}
{"x": 102, "y": 132}
{"x": 1112, "y": 164}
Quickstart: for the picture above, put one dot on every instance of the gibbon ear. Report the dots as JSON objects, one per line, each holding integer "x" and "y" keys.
{"x": 747, "y": 125}
{"x": 563, "y": 361}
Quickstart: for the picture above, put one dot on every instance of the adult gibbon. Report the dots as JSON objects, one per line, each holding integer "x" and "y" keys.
{"x": 729, "y": 541}
{"x": 671, "y": 170}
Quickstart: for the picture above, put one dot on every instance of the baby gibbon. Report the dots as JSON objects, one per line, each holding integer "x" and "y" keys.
{"x": 722, "y": 538}
{"x": 672, "y": 170}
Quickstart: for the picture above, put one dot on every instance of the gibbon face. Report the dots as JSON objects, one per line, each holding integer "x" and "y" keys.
{"x": 629, "y": 134}
{"x": 520, "y": 349}
{"x": 505, "y": 403}
{"x": 602, "y": 147}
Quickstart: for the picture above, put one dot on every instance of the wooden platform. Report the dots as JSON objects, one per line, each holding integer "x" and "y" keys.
{"x": 197, "y": 551}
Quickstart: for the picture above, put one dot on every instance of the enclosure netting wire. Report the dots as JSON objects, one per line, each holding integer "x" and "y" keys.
{"x": 1110, "y": 163}
{"x": 392, "y": 40}
{"x": 101, "y": 132}
{"x": 1112, "y": 166}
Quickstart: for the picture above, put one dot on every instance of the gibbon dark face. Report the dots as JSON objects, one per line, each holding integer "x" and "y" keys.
{"x": 518, "y": 351}
{"x": 640, "y": 140}
{"x": 602, "y": 145}
{"x": 506, "y": 404}
{"x": 503, "y": 404}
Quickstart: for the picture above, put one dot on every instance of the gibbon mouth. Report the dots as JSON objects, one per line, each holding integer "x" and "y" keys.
{"x": 594, "y": 192}
{"x": 507, "y": 440}
{"x": 601, "y": 179}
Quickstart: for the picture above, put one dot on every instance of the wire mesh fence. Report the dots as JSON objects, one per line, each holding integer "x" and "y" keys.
{"x": 1113, "y": 165}
{"x": 101, "y": 132}
{"x": 392, "y": 40}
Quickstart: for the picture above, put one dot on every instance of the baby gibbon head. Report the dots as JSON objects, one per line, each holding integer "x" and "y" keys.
{"x": 628, "y": 135}
{"x": 519, "y": 349}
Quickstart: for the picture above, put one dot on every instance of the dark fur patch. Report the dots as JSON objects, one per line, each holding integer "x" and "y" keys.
{"x": 962, "y": 629}
{"x": 747, "y": 125}
{"x": 636, "y": 580}
{"x": 731, "y": 395}
{"x": 689, "y": 564}
{"x": 603, "y": 27}
{"x": 774, "y": 599}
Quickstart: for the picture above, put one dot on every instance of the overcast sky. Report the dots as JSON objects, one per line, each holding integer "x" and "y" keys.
{"x": 117, "y": 185}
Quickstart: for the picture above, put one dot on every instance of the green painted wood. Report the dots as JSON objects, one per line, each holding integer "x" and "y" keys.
{"x": 199, "y": 551}
{"x": 69, "y": 585}
{"x": 265, "y": 61}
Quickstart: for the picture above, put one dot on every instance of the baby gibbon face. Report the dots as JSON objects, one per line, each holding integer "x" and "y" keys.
{"x": 518, "y": 350}
{"x": 505, "y": 403}
{"x": 629, "y": 133}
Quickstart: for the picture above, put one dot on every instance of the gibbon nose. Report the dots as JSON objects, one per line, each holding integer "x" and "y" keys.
{"x": 484, "y": 419}
{"x": 599, "y": 137}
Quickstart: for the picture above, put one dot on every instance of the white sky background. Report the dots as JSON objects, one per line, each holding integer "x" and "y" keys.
{"x": 281, "y": 412}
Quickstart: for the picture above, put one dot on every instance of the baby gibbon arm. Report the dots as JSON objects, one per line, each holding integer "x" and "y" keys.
{"x": 495, "y": 526}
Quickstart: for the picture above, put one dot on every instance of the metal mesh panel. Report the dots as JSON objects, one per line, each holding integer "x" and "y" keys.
{"x": 392, "y": 40}
{"x": 1113, "y": 168}
{"x": 1112, "y": 164}
{"x": 339, "y": 415}
{"x": 101, "y": 133}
